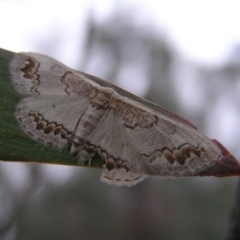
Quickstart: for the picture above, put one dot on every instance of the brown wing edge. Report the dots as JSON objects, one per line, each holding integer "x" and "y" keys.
{"x": 143, "y": 101}
{"x": 225, "y": 167}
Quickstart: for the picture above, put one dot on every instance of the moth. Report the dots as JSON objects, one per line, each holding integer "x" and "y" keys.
{"x": 64, "y": 108}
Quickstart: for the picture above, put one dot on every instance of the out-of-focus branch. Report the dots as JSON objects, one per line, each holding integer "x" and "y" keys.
{"x": 234, "y": 226}
{"x": 20, "y": 201}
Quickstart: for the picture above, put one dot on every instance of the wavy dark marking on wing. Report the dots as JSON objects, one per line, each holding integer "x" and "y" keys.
{"x": 125, "y": 179}
{"x": 115, "y": 170}
{"x": 179, "y": 154}
{"x": 132, "y": 116}
{"x": 30, "y": 72}
{"x": 48, "y": 127}
{"x": 145, "y": 102}
{"x": 77, "y": 85}
{"x": 110, "y": 161}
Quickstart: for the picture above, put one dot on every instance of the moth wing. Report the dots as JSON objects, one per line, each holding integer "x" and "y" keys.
{"x": 37, "y": 74}
{"x": 122, "y": 160}
{"x": 50, "y": 120}
{"x": 172, "y": 149}
{"x": 166, "y": 148}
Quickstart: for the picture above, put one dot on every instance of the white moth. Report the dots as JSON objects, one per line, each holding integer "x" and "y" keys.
{"x": 62, "y": 107}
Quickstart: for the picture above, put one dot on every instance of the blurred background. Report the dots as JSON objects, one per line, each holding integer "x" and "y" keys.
{"x": 183, "y": 55}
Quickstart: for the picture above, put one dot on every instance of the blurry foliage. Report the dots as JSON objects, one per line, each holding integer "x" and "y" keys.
{"x": 84, "y": 207}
